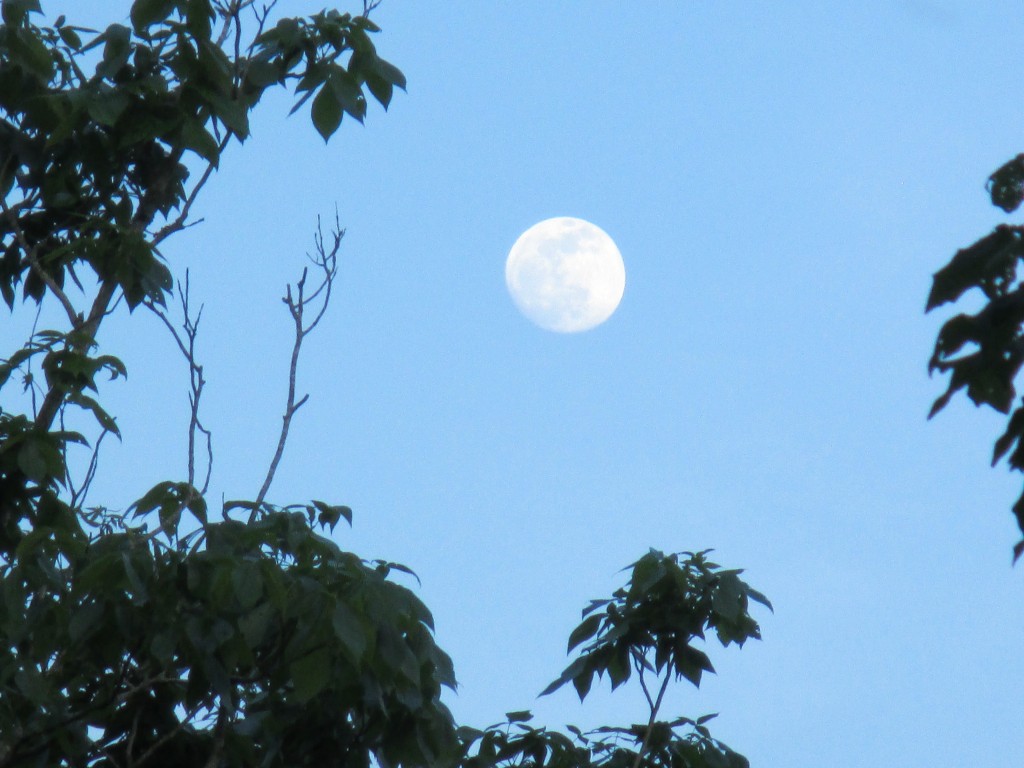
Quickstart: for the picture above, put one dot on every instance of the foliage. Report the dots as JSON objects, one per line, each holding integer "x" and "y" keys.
{"x": 649, "y": 627}
{"x": 168, "y": 634}
{"x": 983, "y": 352}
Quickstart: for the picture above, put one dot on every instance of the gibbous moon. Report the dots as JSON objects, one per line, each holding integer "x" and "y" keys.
{"x": 565, "y": 275}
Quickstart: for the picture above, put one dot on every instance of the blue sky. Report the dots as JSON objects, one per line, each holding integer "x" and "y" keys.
{"x": 782, "y": 179}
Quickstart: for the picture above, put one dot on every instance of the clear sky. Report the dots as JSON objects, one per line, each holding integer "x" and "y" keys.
{"x": 782, "y": 179}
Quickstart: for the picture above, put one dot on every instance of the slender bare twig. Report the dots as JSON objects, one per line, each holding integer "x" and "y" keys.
{"x": 78, "y": 497}
{"x": 261, "y": 21}
{"x": 30, "y": 380}
{"x": 197, "y": 381}
{"x": 638, "y": 665}
{"x": 326, "y": 259}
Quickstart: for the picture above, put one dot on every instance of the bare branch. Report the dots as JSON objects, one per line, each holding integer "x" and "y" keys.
{"x": 261, "y": 21}
{"x": 197, "y": 381}
{"x": 78, "y": 497}
{"x": 639, "y": 667}
{"x": 326, "y": 260}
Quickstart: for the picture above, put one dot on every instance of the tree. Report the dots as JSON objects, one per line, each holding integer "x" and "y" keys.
{"x": 163, "y": 635}
{"x": 983, "y": 352}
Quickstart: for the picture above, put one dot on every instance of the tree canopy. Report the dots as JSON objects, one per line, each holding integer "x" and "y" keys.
{"x": 170, "y": 633}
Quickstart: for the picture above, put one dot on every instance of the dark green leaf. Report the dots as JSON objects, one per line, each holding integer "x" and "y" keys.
{"x": 310, "y": 674}
{"x": 326, "y": 113}
{"x": 349, "y": 630}
{"x": 391, "y": 73}
{"x": 147, "y": 12}
{"x": 15, "y": 11}
{"x": 347, "y": 92}
{"x": 584, "y": 631}
{"x": 85, "y": 620}
{"x": 70, "y": 38}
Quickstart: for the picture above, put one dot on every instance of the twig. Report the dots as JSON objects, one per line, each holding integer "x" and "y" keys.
{"x": 638, "y": 665}
{"x": 167, "y": 736}
{"x": 30, "y": 380}
{"x": 261, "y": 21}
{"x": 197, "y": 381}
{"x": 327, "y": 260}
{"x": 218, "y": 740}
{"x": 179, "y": 221}
{"x": 30, "y": 256}
{"x": 650, "y": 722}
{"x": 55, "y": 396}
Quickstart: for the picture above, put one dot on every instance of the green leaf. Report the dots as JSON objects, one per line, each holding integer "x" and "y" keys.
{"x": 70, "y": 38}
{"x": 231, "y": 112}
{"x": 584, "y": 631}
{"x": 163, "y": 646}
{"x": 347, "y": 92}
{"x": 261, "y": 74}
{"x": 349, "y": 630}
{"x": 582, "y": 683}
{"x": 32, "y": 462}
{"x": 568, "y": 674}
{"x": 330, "y": 514}
{"x": 381, "y": 89}
{"x": 15, "y": 11}
{"x": 1006, "y": 185}
{"x": 725, "y": 600}
{"x": 31, "y": 684}
{"x": 147, "y": 12}
{"x": 326, "y": 113}
{"x": 107, "y": 106}
{"x": 254, "y": 624}
{"x": 84, "y": 620}
{"x": 29, "y": 51}
{"x": 105, "y": 419}
{"x": 390, "y": 73}
{"x": 310, "y": 674}
{"x": 248, "y": 584}
{"x": 153, "y": 498}
{"x": 116, "y": 49}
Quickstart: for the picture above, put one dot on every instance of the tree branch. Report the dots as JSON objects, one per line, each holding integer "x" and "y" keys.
{"x": 30, "y": 255}
{"x": 197, "y": 381}
{"x": 650, "y": 722}
{"x": 326, "y": 259}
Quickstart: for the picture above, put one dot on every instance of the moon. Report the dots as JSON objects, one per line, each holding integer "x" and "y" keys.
{"x": 565, "y": 275}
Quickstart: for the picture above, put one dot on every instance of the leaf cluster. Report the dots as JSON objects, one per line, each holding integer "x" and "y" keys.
{"x": 982, "y": 352}
{"x": 268, "y": 630}
{"x": 680, "y": 743}
{"x": 655, "y": 622}
{"x": 92, "y": 151}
